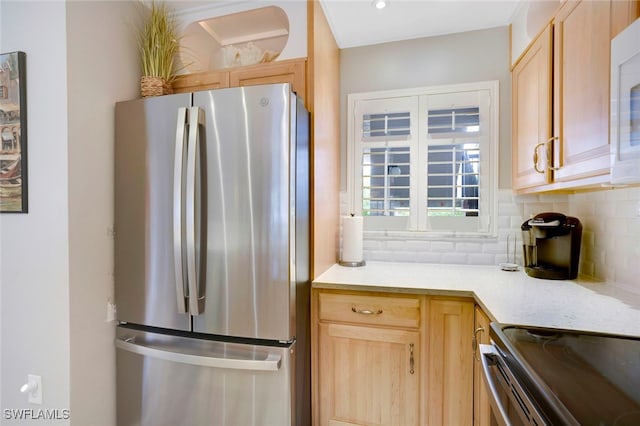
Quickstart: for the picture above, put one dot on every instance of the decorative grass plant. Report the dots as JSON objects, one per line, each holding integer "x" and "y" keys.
{"x": 158, "y": 44}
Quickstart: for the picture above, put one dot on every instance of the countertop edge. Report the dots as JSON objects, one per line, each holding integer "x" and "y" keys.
{"x": 506, "y": 297}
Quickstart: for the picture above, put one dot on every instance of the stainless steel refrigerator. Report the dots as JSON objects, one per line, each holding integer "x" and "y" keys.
{"x": 211, "y": 259}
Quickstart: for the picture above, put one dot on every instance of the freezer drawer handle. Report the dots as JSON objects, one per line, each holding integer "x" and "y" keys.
{"x": 271, "y": 363}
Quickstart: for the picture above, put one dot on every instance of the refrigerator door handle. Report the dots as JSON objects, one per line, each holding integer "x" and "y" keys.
{"x": 178, "y": 203}
{"x": 271, "y": 362}
{"x": 196, "y": 301}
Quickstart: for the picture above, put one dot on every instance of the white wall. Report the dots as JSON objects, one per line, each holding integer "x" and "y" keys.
{"x": 611, "y": 219}
{"x": 528, "y": 20}
{"x": 455, "y": 58}
{"x": 56, "y": 262}
{"x": 35, "y": 247}
{"x": 103, "y": 68}
{"x": 296, "y": 46}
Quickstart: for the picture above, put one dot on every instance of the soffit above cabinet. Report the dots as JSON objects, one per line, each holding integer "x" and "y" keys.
{"x": 252, "y": 25}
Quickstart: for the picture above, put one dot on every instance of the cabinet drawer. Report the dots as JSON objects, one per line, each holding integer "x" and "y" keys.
{"x": 368, "y": 309}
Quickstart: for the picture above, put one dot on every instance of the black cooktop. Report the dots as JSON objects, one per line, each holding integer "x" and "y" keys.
{"x": 575, "y": 377}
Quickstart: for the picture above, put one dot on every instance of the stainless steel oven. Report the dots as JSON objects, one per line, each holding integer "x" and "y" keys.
{"x": 542, "y": 376}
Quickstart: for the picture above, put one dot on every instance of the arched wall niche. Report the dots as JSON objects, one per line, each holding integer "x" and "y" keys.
{"x": 230, "y": 35}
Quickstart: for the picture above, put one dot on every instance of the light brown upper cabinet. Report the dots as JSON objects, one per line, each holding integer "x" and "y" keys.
{"x": 531, "y": 111}
{"x": 291, "y": 71}
{"x": 582, "y": 40}
{"x": 623, "y": 13}
{"x": 560, "y": 89}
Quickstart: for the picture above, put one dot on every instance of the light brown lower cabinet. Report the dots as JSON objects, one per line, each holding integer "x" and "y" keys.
{"x": 391, "y": 359}
{"x": 450, "y": 362}
{"x": 369, "y": 375}
{"x": 481, "y": 404}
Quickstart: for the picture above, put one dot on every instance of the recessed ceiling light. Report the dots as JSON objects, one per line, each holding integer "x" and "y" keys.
{"x": 380, "y": 4}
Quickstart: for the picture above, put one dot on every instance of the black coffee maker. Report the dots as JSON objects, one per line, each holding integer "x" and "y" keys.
{"x": 551, "y": 244}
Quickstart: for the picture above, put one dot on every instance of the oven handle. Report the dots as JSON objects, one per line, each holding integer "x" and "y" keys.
{"x": 487, "y": 355}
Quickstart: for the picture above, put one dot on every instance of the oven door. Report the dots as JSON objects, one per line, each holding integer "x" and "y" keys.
{"x": 510, "y": 405}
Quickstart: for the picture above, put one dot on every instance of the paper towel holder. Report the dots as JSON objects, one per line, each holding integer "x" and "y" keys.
{"x": 352, "y": 233}
{"x": 352, "y": 264}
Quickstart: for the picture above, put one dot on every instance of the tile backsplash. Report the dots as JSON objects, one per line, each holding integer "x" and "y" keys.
{"x": 611, "y": 235}
{"x": 610, "y": 240}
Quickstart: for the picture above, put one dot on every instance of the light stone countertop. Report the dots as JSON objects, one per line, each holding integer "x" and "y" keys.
{"x": 508, "y": 297}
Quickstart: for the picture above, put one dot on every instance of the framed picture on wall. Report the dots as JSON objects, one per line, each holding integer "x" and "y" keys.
{"x": 13, "y": 133}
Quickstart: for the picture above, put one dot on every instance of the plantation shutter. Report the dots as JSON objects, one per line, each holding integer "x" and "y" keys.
{"x": 385, "y": 133}
{"x": 453, "y": 166}
{"x": 457, "y": 140}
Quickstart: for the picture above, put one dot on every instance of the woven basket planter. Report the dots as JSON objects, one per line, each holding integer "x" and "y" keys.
{"x": 154, "y": 86}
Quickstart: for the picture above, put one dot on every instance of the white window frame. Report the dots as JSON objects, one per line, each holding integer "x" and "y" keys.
{"x": 418, "y": 223}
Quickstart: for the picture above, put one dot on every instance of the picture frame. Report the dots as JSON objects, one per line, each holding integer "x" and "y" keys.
{"x": 13, "y": 133}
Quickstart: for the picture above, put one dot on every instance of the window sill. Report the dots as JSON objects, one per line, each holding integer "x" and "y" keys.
{"x": 430, "y": 236}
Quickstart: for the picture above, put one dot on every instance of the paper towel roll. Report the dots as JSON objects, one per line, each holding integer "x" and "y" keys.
{"x": 352, "y": 239}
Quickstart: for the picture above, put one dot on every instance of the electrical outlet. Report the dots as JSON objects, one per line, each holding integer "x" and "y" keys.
{"x": 111, "y": 311}
{"x": 33, "y": 388}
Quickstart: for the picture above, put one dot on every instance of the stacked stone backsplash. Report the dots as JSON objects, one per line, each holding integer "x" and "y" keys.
{"x": 610, "y": 243}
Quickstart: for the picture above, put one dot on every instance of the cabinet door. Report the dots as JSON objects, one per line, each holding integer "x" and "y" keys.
{"x": 207, "y": 80}
{"x": 623, "y": 13}
{"x": 368, "y": 375}
{"x": 450, "y": 362}
{"x": 582, "y": 35}
{"x": 291, "y": 71}
{"x": 531, "y": 109}
{"x": 481, "y": 404}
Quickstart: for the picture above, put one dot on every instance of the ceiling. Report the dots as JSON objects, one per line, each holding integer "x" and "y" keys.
{"x": 358, "y": 23}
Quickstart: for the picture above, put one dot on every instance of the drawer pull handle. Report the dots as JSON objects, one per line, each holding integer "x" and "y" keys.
{"x": 535, "y": 157}
{"x": 475, "y": 342}
{"x": 366, "y": 311}
{"x": 550, "y": 142}
{"x": 411, "y": 361}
